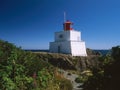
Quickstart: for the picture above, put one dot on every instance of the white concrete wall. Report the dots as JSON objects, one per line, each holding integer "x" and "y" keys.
{"x": 78, "y": 49}
{"x": 65, "y": 34}
{"x": 68, "y": 36}
{"x": 69, "y": 47}
{"x": 64, "y": 47}
{"x": 75, "y": 35}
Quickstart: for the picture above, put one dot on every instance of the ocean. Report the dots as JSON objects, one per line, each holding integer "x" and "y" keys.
{"x": 37, "y": 50}
{"x": 103, "y": 52}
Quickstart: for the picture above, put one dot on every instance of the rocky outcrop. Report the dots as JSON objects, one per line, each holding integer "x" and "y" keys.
{"x": 69, "y": 62}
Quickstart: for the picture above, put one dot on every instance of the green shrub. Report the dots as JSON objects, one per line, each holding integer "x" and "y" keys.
{"x": 17, "y": 68}
{"x": 78, "y": 80}
{"x": 65, "y": 85}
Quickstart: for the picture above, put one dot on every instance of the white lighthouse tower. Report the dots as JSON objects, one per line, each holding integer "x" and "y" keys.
{"x": 68, "y": 41}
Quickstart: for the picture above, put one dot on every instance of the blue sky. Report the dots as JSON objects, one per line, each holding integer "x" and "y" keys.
{"x": 31, "y": 23}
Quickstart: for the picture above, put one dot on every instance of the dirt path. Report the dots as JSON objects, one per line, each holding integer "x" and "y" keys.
{"x": 72, "y": 78}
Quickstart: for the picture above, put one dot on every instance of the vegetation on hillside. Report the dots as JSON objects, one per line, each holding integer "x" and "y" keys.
{"x": 21, "y": 70}
{"x": 106, "y": 77}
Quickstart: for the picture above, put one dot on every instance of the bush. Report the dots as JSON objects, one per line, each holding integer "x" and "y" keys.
{"x": 17, "y": 68}
{"x": 65, "y": 85}
{"x": 106, "y": 77}
{"x": 78, "y": 80}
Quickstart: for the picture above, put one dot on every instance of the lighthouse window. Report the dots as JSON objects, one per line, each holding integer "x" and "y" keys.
{"x": 60, "y": 36}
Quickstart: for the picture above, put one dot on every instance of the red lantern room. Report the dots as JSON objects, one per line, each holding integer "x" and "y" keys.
{"x": 67, "y": 25}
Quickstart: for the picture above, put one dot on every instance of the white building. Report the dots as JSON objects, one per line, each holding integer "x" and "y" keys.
{"x": 68, "y": 42}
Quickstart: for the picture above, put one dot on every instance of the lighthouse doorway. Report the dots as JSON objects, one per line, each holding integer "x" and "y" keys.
{"x": 59, "y": 49}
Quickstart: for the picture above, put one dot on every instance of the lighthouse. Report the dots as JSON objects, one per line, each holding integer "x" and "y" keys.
{"x": 68, "y": 41}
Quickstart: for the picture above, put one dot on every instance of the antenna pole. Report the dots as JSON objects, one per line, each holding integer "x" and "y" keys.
{"x": 64, "y": 16}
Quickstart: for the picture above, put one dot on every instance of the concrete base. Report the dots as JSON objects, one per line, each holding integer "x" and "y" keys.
{"x": 75, "y": 48}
